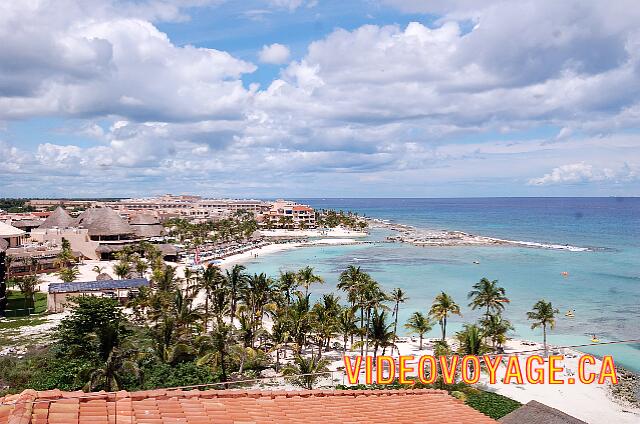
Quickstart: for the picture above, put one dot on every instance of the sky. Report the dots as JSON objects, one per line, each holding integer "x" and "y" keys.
{"x": 319, "y": 98}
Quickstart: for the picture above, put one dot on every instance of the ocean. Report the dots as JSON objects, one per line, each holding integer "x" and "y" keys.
{"x": 603, "y": 285}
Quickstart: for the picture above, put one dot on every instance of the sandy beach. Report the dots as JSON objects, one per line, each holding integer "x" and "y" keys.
{"x": 592, "y": 403}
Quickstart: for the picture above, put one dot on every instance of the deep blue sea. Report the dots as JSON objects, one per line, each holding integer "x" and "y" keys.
{"x": 603, "y": 285}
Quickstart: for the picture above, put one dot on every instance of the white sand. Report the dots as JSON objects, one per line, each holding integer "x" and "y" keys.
{"x": 589, "y": 402}
{"x": 330, "y": 232}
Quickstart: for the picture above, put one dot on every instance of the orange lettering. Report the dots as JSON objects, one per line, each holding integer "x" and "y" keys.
{"x": 353, "y": 374}
{"x": 608, "y": 370}
{"x": 538, "y": 372}
{"x": 380, "y": 370}
{"x": 404, "y": 369}
{"x": 492, "y": 367}
{"x": 432, "y": 370}
{"x": 582, "y": 369}
{"x": 449, "y": 369}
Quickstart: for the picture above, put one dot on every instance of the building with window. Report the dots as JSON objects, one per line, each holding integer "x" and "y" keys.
{"x": 122, "y": 290}
{"x": 287, "y": 214}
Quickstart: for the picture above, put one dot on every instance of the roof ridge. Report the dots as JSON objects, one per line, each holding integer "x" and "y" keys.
{"x": 56, "y": 394}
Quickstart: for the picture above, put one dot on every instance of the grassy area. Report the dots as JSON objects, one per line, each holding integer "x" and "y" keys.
{"x": 492, "y": 404}
{"x": 15, "y": 305}
{"x": 10, "y": 329}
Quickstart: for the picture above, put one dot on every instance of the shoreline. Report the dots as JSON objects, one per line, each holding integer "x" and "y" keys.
{"x": 450, "y": 238}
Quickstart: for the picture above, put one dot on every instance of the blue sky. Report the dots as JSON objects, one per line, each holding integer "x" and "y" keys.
{"x": 307, "y": 98}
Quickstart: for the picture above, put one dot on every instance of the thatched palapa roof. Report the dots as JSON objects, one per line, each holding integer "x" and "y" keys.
{"x": 146, "y": 225}
{"x": 104, "y": 277}
{"x": 103, "y": 222}
{"x": 59, "y": 218}
{"x": 538, "y": 413}
{"x": 3, "y": 245}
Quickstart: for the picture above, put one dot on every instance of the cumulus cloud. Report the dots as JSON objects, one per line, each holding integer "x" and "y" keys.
{"x": 275, "y": 54}
{"x": 583, "y": 173}
{"x": 84, "y": 63}
{"x": 449, "y": 103}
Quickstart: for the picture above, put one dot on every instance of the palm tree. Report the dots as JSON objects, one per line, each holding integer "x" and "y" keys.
{"x": 380, "y": 333}
{"x": 346, "y": 325}
{"x": 98, "y": 269}
{"x": 214, "y": 349}
{"x": 279, "y": 336}
{"x": 110, "y": 375}
{"x": 324, "y": 320}
{"x": 420, "y": 324}
{"x": 68, "y": 274}
{"x": 543, "y": 315}
{"x": 305, "y": 372}
{"x": 495, "y": 328}
{"x": 28, "y": 286}
{"x": 211, "y": 280}
{"x": 287, "y": 284}
{"x": 398, "y": 296}
{"x": 487, "y": 294}
{"x": 350, "y": 280}
{"x": 236, "y": 280}
{"x": 306, "y": 277}
{"x": 443, "y": 306}
{"x": 122, "y": 269}
{"x": 164, "y": 279}
{"x": 470, "y": 340}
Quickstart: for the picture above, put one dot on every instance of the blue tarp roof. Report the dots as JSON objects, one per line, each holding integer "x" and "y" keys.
{"x": 97, "y": 285}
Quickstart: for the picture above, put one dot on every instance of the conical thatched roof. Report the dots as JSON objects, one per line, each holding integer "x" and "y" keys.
{"x": 59, "y": 218}
{"x": 103, "y": 276}
{"x": 146, "y": 225}
{"x": 144, "y": 219}
{"x": 103, "y": 222}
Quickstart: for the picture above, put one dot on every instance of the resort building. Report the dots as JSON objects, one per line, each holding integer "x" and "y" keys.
{"x": 170, "y": 202}
{"x": 146, "y": 225}
{"x": 77, "y": 237}
{"x": 12, "y": 235}
{"x": 47, "y": 204}
{"x": 287, "y": 214}
{"x": 535, "y": 412}
{"x": 240, "y": 406}
{"x": 122, "y": 290}
{"x": 59, "y": 218}
{"x": 34, "y": 260}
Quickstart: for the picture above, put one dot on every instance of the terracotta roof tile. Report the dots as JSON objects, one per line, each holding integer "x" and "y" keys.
{"x": 237, "y": 407}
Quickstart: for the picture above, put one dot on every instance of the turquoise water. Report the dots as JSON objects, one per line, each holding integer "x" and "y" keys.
{"x": 603, "y": 284}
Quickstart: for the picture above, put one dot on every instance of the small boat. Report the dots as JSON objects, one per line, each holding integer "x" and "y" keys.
{"x": 594, "y": 339}
{"x": 569, "y": 314}
{"x": 476, "y": 262}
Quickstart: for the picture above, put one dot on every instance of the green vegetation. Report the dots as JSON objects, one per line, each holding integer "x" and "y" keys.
{"x": 16, "y": 305}
{"x": 238, "y": 227}
{"x": 492, "y": 404}
{"x": 331, "y": 219}
{"x": 15, "y": 205}
{"x": 543, "y": 315}
{"x": 169, "y": 339}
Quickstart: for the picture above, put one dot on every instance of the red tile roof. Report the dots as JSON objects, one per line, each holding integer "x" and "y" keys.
{"x": 238, "y": 407}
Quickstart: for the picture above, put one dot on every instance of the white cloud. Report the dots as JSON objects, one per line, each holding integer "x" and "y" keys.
{"x": 275, "y": 54}
{"x": 455, "y": 102}
{"x": 583, "y": 173}
{"x": 292, "y": 4}
{"x": 86, "y": 63}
